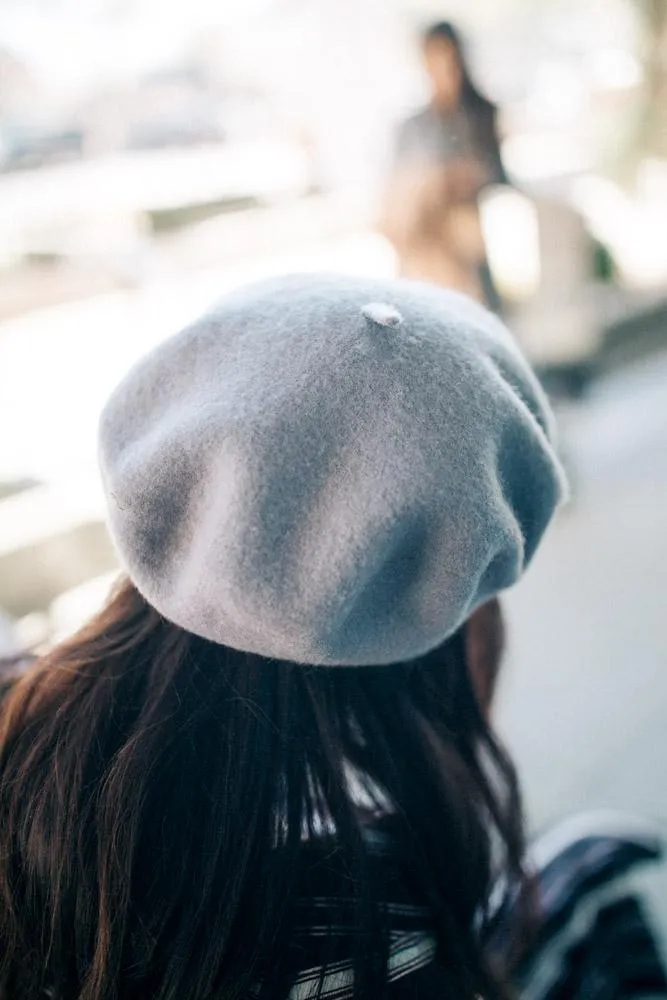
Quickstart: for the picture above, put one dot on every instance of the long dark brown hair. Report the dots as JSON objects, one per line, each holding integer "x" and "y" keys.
{"x": 159, "y": 795}
{"x": 471, "y": 96}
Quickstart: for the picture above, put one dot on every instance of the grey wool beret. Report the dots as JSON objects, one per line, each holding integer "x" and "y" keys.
{"x": 329, "y": 470}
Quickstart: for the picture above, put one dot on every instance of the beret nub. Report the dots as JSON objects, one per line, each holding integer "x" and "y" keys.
{"x": 382, "y": 314}
{"x": 278, "y": 487}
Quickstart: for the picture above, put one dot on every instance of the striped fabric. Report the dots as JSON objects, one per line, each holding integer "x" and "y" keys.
{"x": 592, "y": 939}
{"x": 408, "y": 954}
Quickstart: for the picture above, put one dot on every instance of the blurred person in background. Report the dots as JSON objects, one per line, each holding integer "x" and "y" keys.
{"x": 266, "y": 769}
{"x": 443, "y": 157}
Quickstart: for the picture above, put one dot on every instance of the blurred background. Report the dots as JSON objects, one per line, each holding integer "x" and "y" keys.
{"x": 153, "y": 156}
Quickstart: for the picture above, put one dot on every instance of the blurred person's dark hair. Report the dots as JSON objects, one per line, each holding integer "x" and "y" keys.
{"x": 447, "y": 32}
{"x": 165, "y": 799}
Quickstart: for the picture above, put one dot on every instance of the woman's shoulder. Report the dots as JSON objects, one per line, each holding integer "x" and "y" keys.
{"x": 591, "y": 920}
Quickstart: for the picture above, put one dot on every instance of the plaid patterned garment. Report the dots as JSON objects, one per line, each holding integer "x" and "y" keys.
{"x": 593, "y": 939}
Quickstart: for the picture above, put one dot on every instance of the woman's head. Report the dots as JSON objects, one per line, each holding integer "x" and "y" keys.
{"x": 161, "y": 796}
{"x": 447, "y": 67}
{"x": 313, "y": 488}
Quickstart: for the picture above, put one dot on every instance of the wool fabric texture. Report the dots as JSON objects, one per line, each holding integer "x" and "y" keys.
{"x": 329, "y": 470}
